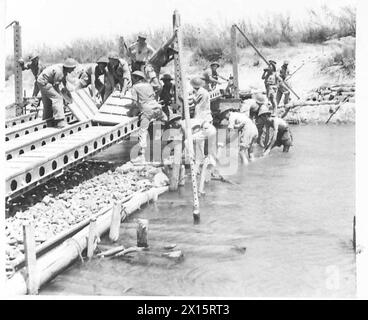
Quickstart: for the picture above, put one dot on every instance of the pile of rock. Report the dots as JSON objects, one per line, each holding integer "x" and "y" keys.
{"x": 59, "y": 210}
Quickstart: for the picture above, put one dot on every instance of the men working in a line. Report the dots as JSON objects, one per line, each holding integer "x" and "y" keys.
{"x": 90, "y": 76}
{"x": 282, "y": 90}
{"x": 49, "y": 83}
{"x": 211, "y": 77}
{"x": 117, "y": 74}
{"x": 281, "y": 132}
{"x": 36, "y": 68}
{"x": 271, "y": 80}
{"x": 260, "y": 103}
{"x": 203, "y": 117}
{"x": 167, "y": 93}
{"x": 144, "y": 95}
{"x": 248, "y": 132}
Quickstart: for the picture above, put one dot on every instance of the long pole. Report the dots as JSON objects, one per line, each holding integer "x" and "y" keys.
{"x": 264, "y": 59}
{"x": 180, "y": 82}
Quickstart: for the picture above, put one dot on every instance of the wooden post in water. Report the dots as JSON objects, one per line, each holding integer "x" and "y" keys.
{"x": 115, "y": 222}
{"x": 175, "y": 173}
{"x": 182, "y": 176}
{"x": 234, "y": 58}
{"x": 142, "y": 233}
{"x": 354, "y": 234}
{"x": 91, "y": 238}
{"x": 203, "y": 176}
{"x": 182, "y": 95}
{"x": 30, "y": 258}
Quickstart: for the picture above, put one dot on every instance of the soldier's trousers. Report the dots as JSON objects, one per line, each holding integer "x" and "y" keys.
{"x": 280, "y": 92}
{"x": 53, "y": 104}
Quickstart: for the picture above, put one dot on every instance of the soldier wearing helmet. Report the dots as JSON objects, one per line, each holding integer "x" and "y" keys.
{"x": 117, "y": 74}
{"x": 140, "y": 53}
{"x": 247, "y": 132}
{"x": 259, "y": 105}
{"x": 36, "y": 68}
{"x": 271, "y": 80}
{"x": 203, "y": 116}
{"x": 211, "y": 76}
{"x": 282, "y": 90}
{"x": 281, "y": 135}
{"x": 49, "y": 82}
{"x": 150, "y": 109}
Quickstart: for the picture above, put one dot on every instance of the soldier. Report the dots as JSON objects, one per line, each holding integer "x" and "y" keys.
{"x": 36, "y": 68}
{"x": 272, "y": 81}
{"x": 211, "y": 77}
{"x": 282, "y": 89}
{"x": 140, "y": 53}
{"x": 117, "y": 74}
{"x": 260, "y": 104}
{"x": 248, "y": 132}
{"x": 144, "y": 95}
{"x": 90, "y": 75}
{"x": 281, "y": 132}
{"x": 203, "y": 116}
{"x": 167, "y": 93}
{"x": 49, "y": 81}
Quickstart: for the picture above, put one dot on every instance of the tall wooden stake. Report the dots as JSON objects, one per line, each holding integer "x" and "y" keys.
{"x": 91, "y": 238}
{"x": 115, "y": 222}
{"x": 17, "y": 69}
{"x": 30, "y": 258}
{"x": 180, "y": 77}
{"x": 234, "y": 58}
{"x": 142, "y": 233}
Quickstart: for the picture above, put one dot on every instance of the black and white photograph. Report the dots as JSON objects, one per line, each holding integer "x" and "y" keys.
{"x": 183, "y": 149}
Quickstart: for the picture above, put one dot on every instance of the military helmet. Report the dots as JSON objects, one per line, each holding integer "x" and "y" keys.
{"x": 263, "y": 110}
{"x": 33, "y": 56}
{"x": 113, "y": 55}
{"x": 70, "y": 63}
{"x": 286, "y": 62}
{"x": 142, "y": 36}
{"x": 214, "y": 63}
{"x": 196, "y": 82}
{"x": 260, "y": 98}
{"x": 166, "y": 76}
{"x": 272, "y": 62}
{"x": 138, "y": 73}
{"x": 103, "y": 60}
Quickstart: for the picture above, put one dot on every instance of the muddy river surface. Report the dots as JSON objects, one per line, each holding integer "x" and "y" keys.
{"x": 284, "y": 230}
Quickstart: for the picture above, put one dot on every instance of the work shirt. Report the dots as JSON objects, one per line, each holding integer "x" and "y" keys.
{"x": 278, "y": 123}
{"x": 141, "y": 53}
{"x": 36, "y": 70}
{"x": 271, "y": 79}
{"x": 51, "y": 77}
{"x": 207, "y": 75}
{"x": 143, "y": 92}
{"x": 201, "y": 101}
{"x": 119, "y": 73}
{"x": 284, "y": 72}
{"x": 89, "y": 70}
{"x": 167, "y": 94}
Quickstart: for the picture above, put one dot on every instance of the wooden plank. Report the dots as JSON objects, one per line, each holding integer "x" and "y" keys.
{"x": 118, "y": 110}
{"x": 30, "y": 258}
{"x": 84, "y": 94}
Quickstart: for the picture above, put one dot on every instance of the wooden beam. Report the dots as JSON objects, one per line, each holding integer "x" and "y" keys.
{"x": 91, "y": 238}
{"x": 115, "y": 222}
{"x": 30, "y": 257}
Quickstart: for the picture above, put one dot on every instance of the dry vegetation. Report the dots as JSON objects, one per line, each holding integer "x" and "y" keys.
{"x": 213, "y": 42}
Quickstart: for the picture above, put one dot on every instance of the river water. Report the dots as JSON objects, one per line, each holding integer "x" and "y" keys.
{"x": 284, "y": 231}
